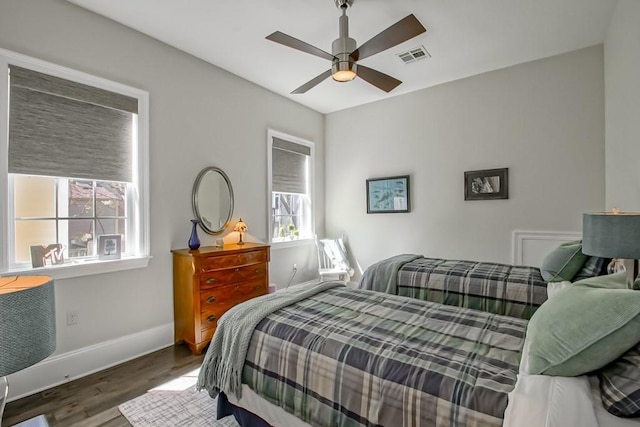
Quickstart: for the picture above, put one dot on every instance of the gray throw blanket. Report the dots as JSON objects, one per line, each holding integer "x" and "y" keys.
{"x": 383, "y": 276}
{"x": 222, "y": 366}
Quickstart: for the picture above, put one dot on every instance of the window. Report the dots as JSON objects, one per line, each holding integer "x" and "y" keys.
{"x": 76, "y": 168}
{"x": 67, "y": 211}
{"x": 290, "y": 187}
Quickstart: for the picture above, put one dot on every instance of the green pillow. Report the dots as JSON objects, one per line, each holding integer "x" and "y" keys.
{"x": 583, "y": 328}
{"x": 610, "y": 281}
{"x": 563, "y": 263}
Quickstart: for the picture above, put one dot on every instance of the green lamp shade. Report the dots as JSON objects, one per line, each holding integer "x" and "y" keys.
{"x": 28, "y": 322}
{"x": 611, "y": 235}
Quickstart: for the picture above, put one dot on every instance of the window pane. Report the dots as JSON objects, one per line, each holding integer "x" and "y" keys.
{"x": 80, "y": 198}
{"x": 30, "y": 233}
{"x": 290, "y": 217}
{"x": 35, "y": 196}
{"x": 111, "y": 198}
{"x": 80, "y": 237}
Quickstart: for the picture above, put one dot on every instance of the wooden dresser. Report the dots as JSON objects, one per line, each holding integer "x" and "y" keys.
{"x": 209, "y": 281}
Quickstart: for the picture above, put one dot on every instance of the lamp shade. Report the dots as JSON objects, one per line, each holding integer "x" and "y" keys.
{"x": 27, "y": 321}
{"x": 611, "y": 235}
{"x": 240, "y": 226}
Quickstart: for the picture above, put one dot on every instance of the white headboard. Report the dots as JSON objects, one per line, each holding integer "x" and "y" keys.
{"x": 530, "y": 247}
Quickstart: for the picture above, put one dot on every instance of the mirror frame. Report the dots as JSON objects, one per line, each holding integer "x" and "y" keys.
{"x": 194, "y": 199}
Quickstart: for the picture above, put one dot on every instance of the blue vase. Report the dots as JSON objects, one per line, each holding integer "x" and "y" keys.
{"x": 194, "y": 241}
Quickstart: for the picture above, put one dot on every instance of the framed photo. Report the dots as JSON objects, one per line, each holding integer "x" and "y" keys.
{"x": 40, "y": 254}
{"x": 109, "y": 246}
{"x": 486, "y": 184}
{"x": 388, "y": 195}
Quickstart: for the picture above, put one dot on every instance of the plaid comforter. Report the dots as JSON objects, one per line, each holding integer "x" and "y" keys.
{"x": 515, "y": 291}
{"x": 349, "y": 357}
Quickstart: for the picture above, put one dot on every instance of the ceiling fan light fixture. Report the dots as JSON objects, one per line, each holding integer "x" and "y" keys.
{"x": 343, "y": 76}
{"x": 343, "y": 71}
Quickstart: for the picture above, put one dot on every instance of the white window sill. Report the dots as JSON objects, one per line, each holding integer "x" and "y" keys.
{"x": 291, "y": 243}
{"x": 86, "y": 268}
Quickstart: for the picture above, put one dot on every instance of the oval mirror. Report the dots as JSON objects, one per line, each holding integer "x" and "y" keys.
{"x": 212, "y": 200}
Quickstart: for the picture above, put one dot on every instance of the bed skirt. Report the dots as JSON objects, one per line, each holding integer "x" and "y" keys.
{"x": 242, "y": 416}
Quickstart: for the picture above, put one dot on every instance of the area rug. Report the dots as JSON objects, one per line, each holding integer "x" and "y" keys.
{"x": 176, "y": 403}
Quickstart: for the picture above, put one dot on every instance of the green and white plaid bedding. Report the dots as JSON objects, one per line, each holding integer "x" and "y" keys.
{"x": 348, "y": 357}
{"x": 515, "y": 291}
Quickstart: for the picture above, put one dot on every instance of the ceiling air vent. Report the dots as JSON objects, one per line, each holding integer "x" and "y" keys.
{"x": 414, "y": 55}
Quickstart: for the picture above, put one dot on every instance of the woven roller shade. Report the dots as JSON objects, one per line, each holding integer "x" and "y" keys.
{"x": 61, "y": 128}
{"x": 289, "y": 165}
{"x": 40, "y": 82}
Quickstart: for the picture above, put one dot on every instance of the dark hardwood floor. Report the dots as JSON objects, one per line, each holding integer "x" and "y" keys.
{"x": 94, "y": 399}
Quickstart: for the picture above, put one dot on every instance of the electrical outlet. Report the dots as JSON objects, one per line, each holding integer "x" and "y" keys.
{"x": 72, "y": 318}
{"x": 295, "y": 267}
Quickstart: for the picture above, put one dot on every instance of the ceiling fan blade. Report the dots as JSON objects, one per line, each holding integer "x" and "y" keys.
{"x": 380, "y": 80}
{"x": 294, "y": 43}
{"x": 313, "y": 82}
{"x": 403, "y": 30}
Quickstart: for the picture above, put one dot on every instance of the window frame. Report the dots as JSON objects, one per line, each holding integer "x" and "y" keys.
{"x": 140, "y": 213}
{"x": 271, "y": 134}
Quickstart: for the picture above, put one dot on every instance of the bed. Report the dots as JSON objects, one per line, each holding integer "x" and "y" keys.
{"x": 505, "y": 289}
{"x": 349, "y": 357}
{"x": 328, "y": 355}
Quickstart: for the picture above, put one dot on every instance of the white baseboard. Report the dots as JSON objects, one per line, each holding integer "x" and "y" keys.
{"x": 62, "y": 368}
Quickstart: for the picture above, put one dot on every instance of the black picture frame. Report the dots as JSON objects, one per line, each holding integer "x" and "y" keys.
{"x": 487, "y": 184}
{"x": 389, "y": 195}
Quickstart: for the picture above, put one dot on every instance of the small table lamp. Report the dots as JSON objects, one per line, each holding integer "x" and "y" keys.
{"x": 27, "y": 325}
{"x": 240, "y": 227}
{"x": 613, "y": 235}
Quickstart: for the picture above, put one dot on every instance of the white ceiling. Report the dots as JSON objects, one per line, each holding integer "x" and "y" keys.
{"x": 464, "y": 37}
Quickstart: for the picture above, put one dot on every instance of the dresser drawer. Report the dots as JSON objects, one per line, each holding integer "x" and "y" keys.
{"x": 215, "y": 302}
{"x": 226, "y": 261}
{"x": 232, "y": 275}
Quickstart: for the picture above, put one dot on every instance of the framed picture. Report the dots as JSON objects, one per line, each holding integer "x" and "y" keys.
{"x": 388, "y": 195}
{"x": 40, "y": 254}
{"x": 486, "y": 184}
{"x": 109, "y": 246}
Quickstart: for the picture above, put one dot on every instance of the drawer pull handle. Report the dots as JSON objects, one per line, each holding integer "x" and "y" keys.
{"x": 257, "y": 287}
{"x": 211, "y": 300}
{"x": 211, "y": 280}
{"x": 211, "y": 318}
{"x": 258, "y": 271}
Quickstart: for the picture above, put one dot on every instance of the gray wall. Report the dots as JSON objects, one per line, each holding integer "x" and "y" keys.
{"x": 622, "y": 83}
{"x": 200, "y": 115}
{"x": 544, "y": 120}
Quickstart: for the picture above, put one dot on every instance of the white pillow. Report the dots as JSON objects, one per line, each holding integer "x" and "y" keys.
{"x": 554, "y": 287}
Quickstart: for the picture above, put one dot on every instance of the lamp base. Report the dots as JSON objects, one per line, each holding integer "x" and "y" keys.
{"x": 4, "y": 393}
{"x": 616, "y": 266}
{"x": 631, "y": 266}
{"x": 39, "y": 421}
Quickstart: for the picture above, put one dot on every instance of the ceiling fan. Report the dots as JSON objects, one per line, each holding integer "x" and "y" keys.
{"x": 345, "y": 54}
